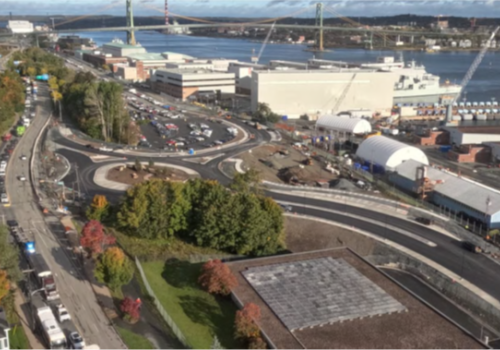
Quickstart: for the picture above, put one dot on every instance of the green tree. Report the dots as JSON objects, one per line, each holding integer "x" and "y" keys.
{"x": 247, "y": 182}
{"x": 113, "y": 268}
{"x": 264, "y": 114}
{"x": 9, "y": 256}
{"x": 137, "y": 165}
{"x": 154, "y": 209}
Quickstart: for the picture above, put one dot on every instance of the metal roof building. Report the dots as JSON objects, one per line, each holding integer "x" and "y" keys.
{"x": 455, "y": 193}
{"x": 389, "y": 153}
{"x": 349, "y": 125}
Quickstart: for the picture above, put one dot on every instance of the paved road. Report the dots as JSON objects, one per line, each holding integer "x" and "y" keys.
{"x": 74, "y": 289}
{"x": 444, "y": 305}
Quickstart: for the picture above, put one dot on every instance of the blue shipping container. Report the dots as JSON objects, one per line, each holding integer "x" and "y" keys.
{"x": 285, "y": 117}
{"x": 445, "y": 149}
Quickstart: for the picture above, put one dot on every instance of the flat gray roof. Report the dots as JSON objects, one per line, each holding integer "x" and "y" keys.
{"x": 318, "y": 291}
{"x": 462, "y": 190}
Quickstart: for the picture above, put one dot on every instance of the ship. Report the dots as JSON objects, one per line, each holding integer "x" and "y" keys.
{"x": 415, "y": 84}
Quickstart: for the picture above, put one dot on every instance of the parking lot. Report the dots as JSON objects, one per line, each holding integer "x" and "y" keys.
{"x": 169, "y": 129}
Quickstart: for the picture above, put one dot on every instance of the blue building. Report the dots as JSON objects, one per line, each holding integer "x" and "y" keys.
{"x": 452, "y": 192}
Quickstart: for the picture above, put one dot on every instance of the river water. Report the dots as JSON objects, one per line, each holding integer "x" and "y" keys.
{"x": 484, "y": 86}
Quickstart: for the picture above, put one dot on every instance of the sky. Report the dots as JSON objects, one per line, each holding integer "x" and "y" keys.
{"x": 256, "y": 8}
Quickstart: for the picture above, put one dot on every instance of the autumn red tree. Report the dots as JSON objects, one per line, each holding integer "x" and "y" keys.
{"x": 245, "y": 322}
{"x": 131, "y": 309}
{"x": 217, "y": 278}
{"x": 94, "y": 238}
{"x": 4, "y": 284}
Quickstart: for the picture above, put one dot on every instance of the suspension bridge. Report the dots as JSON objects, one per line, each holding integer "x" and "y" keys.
{"x": 319, "y": 28}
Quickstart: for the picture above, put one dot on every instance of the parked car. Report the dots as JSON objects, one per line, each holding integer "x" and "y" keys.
{"x": 471, "y": 247}
{"x": 76, "y": 341}
{"x": 424, "y": 221}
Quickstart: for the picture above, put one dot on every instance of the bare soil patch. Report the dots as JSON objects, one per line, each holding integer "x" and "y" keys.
{"x": 273, "y": 160}
{"x": 303, "y": 235}
{"x": 128, "y": 175}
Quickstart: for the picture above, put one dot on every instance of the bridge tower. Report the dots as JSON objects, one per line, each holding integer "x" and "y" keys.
{"x": 130, "y": 23}
{"x": 319, "y": 23}
{"x": 166, "y": 12}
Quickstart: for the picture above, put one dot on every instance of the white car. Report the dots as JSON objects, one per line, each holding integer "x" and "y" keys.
{"x": 62, "y": 313}
{"x": 4, "y": 198}
{"x": 76, "y": 340}
{"x": 22, "y": 178}
{"x": 23, "y": 157}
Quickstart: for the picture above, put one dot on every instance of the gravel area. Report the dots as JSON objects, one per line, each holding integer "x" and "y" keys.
{"x": 126, "y": 175}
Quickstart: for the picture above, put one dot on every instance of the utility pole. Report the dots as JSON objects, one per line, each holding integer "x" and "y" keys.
{"x": 130, "y": 23}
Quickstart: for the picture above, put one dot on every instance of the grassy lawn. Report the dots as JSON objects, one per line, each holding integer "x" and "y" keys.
{"x": 18, "y": 339}
{"x": 198, "y": 314}
{"x": 134, "y": 341}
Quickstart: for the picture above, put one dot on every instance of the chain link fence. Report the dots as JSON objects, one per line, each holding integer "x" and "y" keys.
{"x": 178, "y": 333}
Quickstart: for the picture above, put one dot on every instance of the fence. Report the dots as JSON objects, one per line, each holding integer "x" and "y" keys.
{"x": 178, "y": 333}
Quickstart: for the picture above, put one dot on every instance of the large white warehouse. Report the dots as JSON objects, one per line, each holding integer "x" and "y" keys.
{"x": 20, "y": 27}
{"x": 293, "y": 92}
{"x": 389, "y": 153}
{"x": 347, "y": 125}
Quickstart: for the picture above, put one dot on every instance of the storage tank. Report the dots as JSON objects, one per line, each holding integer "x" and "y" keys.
{"x": 467, "y": 116}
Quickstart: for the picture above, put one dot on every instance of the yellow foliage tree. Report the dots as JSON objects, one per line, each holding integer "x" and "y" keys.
{"x": 4, "y": 284}
{"x": 98, "y": 210}
{"x": 31, "y": 71}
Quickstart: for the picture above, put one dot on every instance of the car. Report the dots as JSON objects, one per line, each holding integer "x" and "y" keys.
{"x": 424, "y": 221}
{"x": 76, "y": 341}
{"x": 471, "y": 247}
{"x": 4, "y": 198}
{"x": 12, "y": 223}
{"x": 62, "y": 313}
{"x": 23, "y": 157}
{"x": 22, "y": 178}
{"x": 286, "y": 207}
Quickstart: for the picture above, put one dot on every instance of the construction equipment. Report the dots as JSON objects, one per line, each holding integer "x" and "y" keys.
{"x": 261, "y": 51}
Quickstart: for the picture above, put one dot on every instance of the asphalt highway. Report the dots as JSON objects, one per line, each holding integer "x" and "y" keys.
{"x": 74, "y": 289}
{"x": 475, "y": 268}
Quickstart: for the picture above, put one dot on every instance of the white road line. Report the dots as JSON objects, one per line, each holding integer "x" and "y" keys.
{"x": 375, "y": 222}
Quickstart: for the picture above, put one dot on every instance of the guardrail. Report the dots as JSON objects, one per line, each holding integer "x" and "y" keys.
{"x": 443, "y": 222}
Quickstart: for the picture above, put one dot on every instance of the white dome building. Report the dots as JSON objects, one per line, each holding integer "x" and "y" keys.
{"x": 346, "y": 125}
{"x": 389, "y": 153}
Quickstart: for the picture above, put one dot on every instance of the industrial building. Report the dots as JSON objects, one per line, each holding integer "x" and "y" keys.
{"x": 144, "y": 63}
{"x": 350, "y": 126}
{"x": 473, "y": 135}
{"x": 336, "y": 299}
{"x": 293, "y": 92}
{"x": 20, "y": 27}
{"x": 243, "y": 73}
{"x": 388, "y": 153}
{"x": 184, "y": 82}
{"x": 116, "y": 49}
{"x": 451, "y": 192}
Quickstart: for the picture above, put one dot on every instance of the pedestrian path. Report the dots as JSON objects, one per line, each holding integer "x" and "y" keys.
{"x": 23, "y": 311}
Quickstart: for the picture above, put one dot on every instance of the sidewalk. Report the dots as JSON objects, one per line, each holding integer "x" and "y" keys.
{"x": 23, "y": 310}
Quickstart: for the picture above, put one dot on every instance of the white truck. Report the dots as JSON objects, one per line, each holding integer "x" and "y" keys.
{"x": 50, "y": 330}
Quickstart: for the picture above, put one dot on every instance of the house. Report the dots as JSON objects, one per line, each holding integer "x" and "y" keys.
{"x": 4, "y": 332}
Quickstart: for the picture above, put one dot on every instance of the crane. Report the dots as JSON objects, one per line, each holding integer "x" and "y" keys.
{"x": 471, "y": 71}
{"x": 343, "y": 95}
{"x": 261, "y": 51}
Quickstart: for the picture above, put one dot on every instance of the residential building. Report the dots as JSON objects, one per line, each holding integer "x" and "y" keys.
{"x": 4, "y": 331}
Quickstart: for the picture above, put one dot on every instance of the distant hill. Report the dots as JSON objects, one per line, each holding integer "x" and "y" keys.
{"x": 116, "y": 21}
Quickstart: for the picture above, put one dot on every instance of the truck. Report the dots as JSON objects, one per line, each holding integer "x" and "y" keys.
{"x": 48, "y": 327}
{"x": 20, "y": 130}
{"x": 43, "y": 275}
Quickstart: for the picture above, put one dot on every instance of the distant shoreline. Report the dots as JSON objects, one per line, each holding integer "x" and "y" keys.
{"x": 395, "y": 48}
